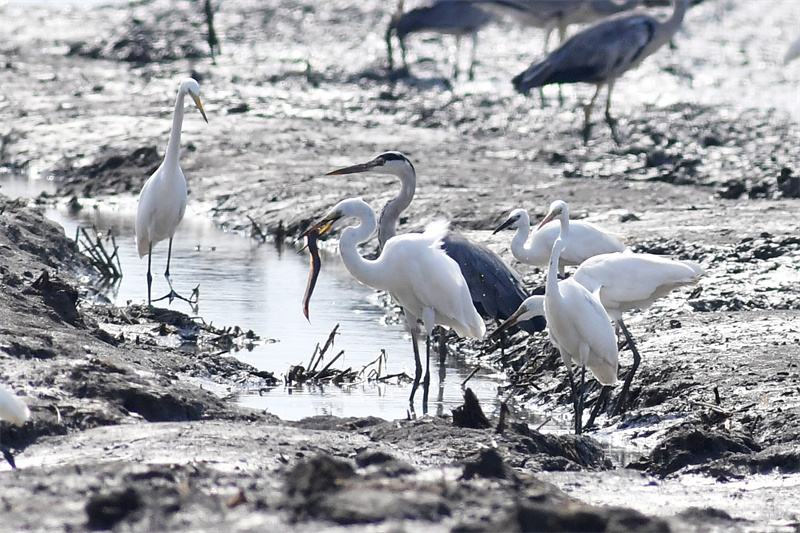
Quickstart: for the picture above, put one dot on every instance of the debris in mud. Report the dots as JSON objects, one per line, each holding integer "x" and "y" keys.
{"x": 111, "y": 173}
{"x": 470, "y": 414}
{"x": 487, "y": 464}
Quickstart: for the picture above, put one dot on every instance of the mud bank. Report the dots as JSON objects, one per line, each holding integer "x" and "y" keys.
{"x": 133, "y": 426}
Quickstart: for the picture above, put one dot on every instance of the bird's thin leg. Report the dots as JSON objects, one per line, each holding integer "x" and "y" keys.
{"x": 455, "y": 59}
{"x": 172, "y": 295}
{"x": 579, "y": 411}
{"x": 472, "y": 56}
{"x": 172, "y": 292}
{"x": 623, "y": 396}
{"x": 587, "y": 115}
{"x": 601, "y": 400}
{"x": 403, "y": 53}
{"x": 426, "y": 383}
{"x": 149, "y": 275}
{"x": 418, "y": 364}
{"x": 574, "y": 393}
{"x": 8, "y": 455}
{"x": 562, "y": 33}
{"x": 612, "y": 123}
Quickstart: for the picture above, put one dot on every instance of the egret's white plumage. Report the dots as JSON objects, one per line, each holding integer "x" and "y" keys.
{"x": 792, "y": 52}
{"x": 162, "y": 201}
{"x": 12, "y": 408}
{"x": 414, "y": 269}
{"x": 585, "y": 240}
{"x": 577, "y": 323}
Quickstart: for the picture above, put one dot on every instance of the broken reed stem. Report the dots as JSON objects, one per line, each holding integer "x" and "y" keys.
{"x": 469, "y": 377}
{"x": 102, "y": 261}
{"x": 329, "y": 342}
{"x": 325, "y": 369}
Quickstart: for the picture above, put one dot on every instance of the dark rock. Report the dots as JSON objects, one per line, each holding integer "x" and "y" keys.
{"x": 532, "y": 516}
{"x": 732, "y": 189}
{"x": 488, "y": 464}
{"x": 470, "y": 414}
{"x": 104, "y": 511}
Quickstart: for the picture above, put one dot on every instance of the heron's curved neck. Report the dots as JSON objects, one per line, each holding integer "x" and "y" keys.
{"x": 174, "y": 146}
{"x": 363, "y": 270}
{"x": 609, "y": 7}
{"x": 387, "y": 226}
{"x": 671, "y": 25}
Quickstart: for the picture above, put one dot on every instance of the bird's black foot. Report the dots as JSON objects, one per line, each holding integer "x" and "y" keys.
{"x": 612, "y": 124}
{"x": 191, "y": 300}
{"x": 7, "y": 454}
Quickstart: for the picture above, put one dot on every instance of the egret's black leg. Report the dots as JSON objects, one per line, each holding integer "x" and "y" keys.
{"x": 601, "y": 401}
{"x": 426, "y": 383}
{"x": 172, "y": 294}
{"x": 623, "y": 396}
{"x": 574, "y": 389}
{"x": 418, "y": 371}
{"x": 149, "y": 275}
{"x": 581, "y": 394}
{"x": 7, "y": 454}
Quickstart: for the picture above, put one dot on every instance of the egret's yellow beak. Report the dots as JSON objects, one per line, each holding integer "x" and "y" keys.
{"x": 199, "y": 105}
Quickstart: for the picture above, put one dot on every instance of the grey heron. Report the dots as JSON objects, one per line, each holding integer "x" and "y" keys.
{"x": 601, "y": 54}
{"x": 497, "y": 290}
{"x": 451, "y": 17}
{"x": 414, "y": 269}
{"x": 162, "y": 201}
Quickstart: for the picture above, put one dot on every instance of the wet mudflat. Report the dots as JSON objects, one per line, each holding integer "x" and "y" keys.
{"x": 134, "y": 430}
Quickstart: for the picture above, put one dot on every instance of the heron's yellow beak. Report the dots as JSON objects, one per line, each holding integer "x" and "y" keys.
{"x": 199, "y": 105}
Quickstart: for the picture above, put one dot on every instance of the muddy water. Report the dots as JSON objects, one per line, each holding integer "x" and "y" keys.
{"x": 260, "y": 287}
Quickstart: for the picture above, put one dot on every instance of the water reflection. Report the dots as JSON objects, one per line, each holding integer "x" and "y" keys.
{"x": 260, "y": 288}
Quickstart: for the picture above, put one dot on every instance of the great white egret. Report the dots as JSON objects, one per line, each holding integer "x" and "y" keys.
{"x": 15, "y": 411}
{"x": 628, "y": 281}
{"x": 496, "y": 288}
{"x": 415, "y": 271}
{"x": 162, "y": 201}
{"x": 585, "y": 240}
{"x": 577, "y": 323}
{"x": 601, "y": 54}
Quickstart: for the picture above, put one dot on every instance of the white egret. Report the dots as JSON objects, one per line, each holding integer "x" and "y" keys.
{"x": 792, "y": 52}
{"x": 628, "y": 281}
{"x": 577, "y": 323}
{"x": 162, "y": 201}
{"x": 15, "y": 411}
{"x": 496, "y": 288}
{"x": 601, "y": 54}
{"x": 415, "y": 271}
{"x": 585, "y": 240}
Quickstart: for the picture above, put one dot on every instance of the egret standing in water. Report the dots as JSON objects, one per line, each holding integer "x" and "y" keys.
{"x": 162, "y": 201}
{"x": 415, "y": 271}
{"x": 15, "y": 411}
{"x": 577, "y": 323}
{"x": 585, "y": 240}
{"x": 496, "y": 288}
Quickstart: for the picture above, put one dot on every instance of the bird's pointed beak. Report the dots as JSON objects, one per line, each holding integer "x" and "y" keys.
{"x": 503, "y": 226}
{"x": 550, "y": 216}
{"x": 320, "y": 227}
{"x": 509, "y": 323}
{"x": 199, "y": 105}
{"x": 363, "y": 167}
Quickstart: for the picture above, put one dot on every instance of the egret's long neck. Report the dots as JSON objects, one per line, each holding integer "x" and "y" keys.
{"x": 174, "y": 146}
{"x": 552, "y": 272}
{"x": 362, "y": 269}
{"x": 521, "y": 237}
{"x": 387, "y": 226}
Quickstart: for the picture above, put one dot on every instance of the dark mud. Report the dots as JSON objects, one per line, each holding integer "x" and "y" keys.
{"x": 133, "y": 427}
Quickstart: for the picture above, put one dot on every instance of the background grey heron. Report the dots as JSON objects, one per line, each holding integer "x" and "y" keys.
{"x": 496, "y": 288}
{"x": 412, "y": 268}
{"x": 451, "y": 17}
{"x": 601, "y": 54}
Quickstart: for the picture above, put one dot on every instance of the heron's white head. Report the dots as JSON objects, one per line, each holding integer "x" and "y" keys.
{"x": 513, "y": 221}
{"x": 192, "y": 88}
{"x": 558, "y": 210}
{"x": 393, "y": 163}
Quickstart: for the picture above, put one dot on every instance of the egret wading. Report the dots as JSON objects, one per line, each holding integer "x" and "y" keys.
{"x": 415, "y": 271}
{"x": 450, "y": 17}
{"x": 496, "y": 288}
{"x": 628, "y": 281}
{"x": 577, "y": 323}
{"x": 601, "y": 54}
{"x": 585, "y": 240}
{"x": 13, "y": 410}
{"x": 162, "y": 201}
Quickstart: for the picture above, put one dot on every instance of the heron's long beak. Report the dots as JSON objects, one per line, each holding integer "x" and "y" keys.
{"x": 320, "y": 227}
{"x": 508, "y": 324}
{"x": 363, "y": 167}
{"x": 199, "y": 105}
{"x": 503, "y": 226}
{"x": 530, "y": 307}
{"x": 550, "y": 216}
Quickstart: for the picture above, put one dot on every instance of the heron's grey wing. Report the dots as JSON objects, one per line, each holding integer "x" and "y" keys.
{"x": 596, "y": 54}
{"x": 496, "y": 289}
